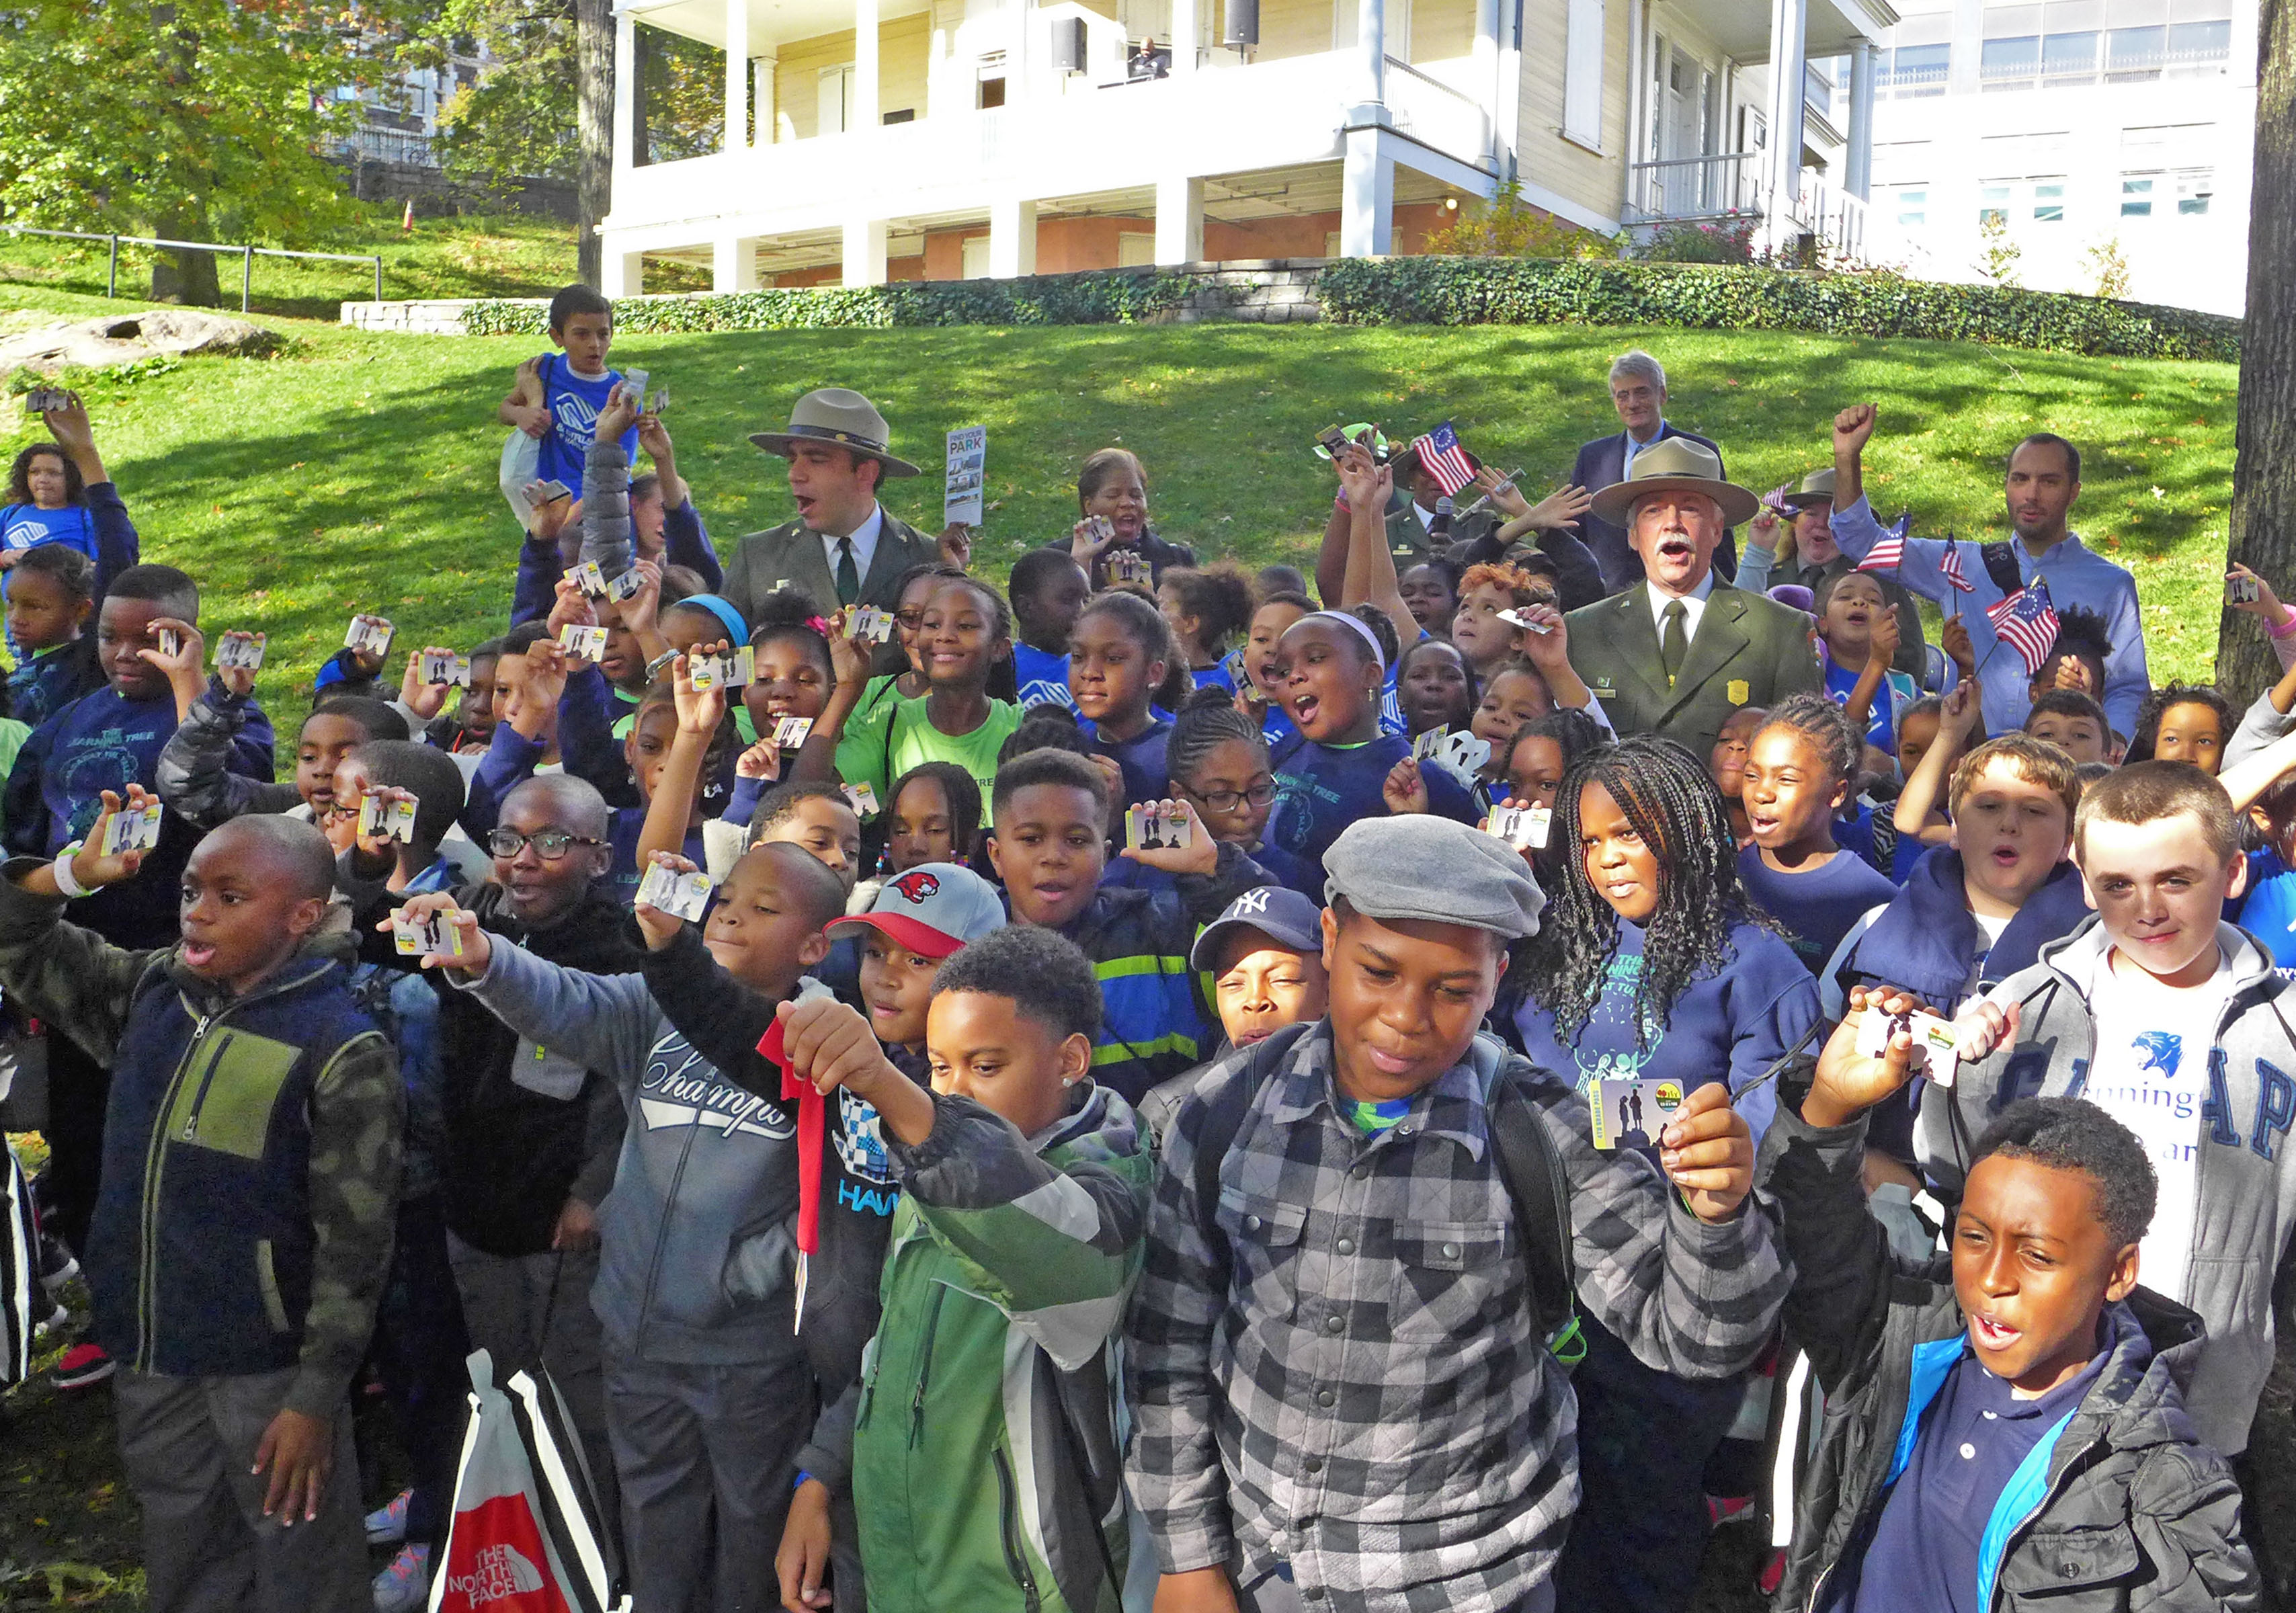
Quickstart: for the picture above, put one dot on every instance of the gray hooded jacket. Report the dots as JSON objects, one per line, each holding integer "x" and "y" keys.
{"x": 2246, "y": 1205}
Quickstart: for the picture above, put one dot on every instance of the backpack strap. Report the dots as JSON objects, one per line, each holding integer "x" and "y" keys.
{"x": 2001, "y": 565}
{"x": 1538, "y": 1186}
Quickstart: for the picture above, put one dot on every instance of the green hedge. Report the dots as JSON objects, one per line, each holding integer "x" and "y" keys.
{"x": 1520, "y": 290}
{"x": 1097, "y": 297}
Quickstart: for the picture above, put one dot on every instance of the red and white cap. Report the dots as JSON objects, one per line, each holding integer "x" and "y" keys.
{"x": 933, "y": 909}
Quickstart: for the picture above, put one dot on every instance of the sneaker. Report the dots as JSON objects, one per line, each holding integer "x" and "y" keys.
{"x": 56, "y": 1321}
{"x": 405, "y": 1585}
{"x": 387, "y": 1526}
{"x": 83, "y": 1366}
{"x": 57, "y": 1266}
{"x": 1773, "y": 1573}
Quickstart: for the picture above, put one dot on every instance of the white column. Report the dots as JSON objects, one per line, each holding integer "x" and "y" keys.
{"x": 1858, "y": 160}
{"x": 1012, "y": 238}
{"x": 864, "y": 251}
{"x": 1485, "y": 73}
{"x": 1509, "y": 139}
{"x": 863, "y": 113}
{"x": 1184, "y": 40}
{"x": 733, "y": 264}
{"x": 764, "y": 67}
{"x": 624, "y": 272}
{"x": 1367, "y": 196}
{"x": 737, "y": 74}
{"x": 1782, "y": 175}
{"x": 1179, "y": 220}
{"x": 625, "y": 98}
{"x": 1637, "y": 91}
{"x": 1371, "y": 69}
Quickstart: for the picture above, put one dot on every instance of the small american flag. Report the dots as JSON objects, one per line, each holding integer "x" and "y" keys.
{"x": 1950, "y": 564}
{"x": 1889, "y": 552}
{"x": 2027, "y": 622}
{"x": 1445, "y": 460}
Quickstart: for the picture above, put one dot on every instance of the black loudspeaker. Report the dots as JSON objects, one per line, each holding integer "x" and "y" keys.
{"x": 1068, "y": 45}
{"x": 1242, "y": 24}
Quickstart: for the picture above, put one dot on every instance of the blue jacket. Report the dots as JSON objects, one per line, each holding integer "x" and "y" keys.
{"x": 2119, "y": 1507}
{"x": 1927, "y": 940}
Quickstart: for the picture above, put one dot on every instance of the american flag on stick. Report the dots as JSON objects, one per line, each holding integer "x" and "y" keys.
{"x": 2027, "y": 622}
{"x": 1950, "y": 565}
{"x": 1889, "y": 552}
{"x": 1445, "y": 460}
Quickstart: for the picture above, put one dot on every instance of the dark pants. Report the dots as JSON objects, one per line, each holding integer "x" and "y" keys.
{"x": 420, "y": 1347}
{"x": 1645, "y": 1437}
{"x": 187, "y": 1445}
{"x": 79, "y": 1088}
{"x": 1273, "y": 1593}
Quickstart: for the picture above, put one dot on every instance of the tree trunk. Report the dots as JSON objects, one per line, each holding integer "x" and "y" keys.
{"x": 2264, "y": 472}
{"x": 595, "y": 130}
{"x": 185, "y": 277}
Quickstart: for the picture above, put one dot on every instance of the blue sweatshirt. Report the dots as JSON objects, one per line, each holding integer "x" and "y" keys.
{"x": 1736, "y": 1021}
{"x": 1321, "y": 789}
{"x": 1140, "y": 759}
{"x": 575, "y": 403}
{"x": 98, "y": 527}
{"x": 102, "y": 742}
{"x": 1042, "y": 677}
{"x": 1819, "y": 906}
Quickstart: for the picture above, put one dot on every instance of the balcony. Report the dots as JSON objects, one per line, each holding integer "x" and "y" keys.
{"x": 1705, "y": 190}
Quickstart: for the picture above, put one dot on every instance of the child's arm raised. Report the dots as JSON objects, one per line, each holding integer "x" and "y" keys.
{"x": 117, "y": 544}
{"x": 1859, "y": 708}
{"x": 816, "y": 759}
{"x": 518, "y": 746}
{"x": 670, "y": 813}
{"x": 1054, "y": 1247}
{"x": 73, "y": 979}
{"x": 2252, "y": 775}
{"x": 2266, "y": 720}
{"x": 723, "y": 1019}
{"x": 606, "y": 486}
{"x": 525, "y": 405}
{"x": 1958, "y": 718}
{"x": 1370, "y": 567}
{"x": 193, "y": 772}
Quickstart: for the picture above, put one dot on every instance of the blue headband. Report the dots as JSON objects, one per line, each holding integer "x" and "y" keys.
{"x": 737, "y": 631}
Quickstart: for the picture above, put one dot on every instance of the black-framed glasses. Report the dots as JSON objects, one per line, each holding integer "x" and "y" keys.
{"x": 549, "y": 844}
{"x": 1228, "y": 800}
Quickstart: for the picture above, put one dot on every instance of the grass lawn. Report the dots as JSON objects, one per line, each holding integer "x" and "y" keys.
{"x": 358, "y": 470}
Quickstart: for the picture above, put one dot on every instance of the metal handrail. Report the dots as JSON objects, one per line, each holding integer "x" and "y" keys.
{"x": 248, "y": 255}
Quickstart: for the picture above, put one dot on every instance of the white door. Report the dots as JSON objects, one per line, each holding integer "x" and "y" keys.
{"x": 836, "y": 97}
{"x": 976, "y": 256}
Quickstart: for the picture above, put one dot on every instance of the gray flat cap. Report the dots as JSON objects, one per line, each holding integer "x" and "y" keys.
{"x": 1418, "y": 866}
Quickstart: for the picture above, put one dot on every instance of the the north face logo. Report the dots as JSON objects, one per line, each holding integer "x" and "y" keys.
{"x": 499, "y": 1573}
{"x": 917, "y": 885}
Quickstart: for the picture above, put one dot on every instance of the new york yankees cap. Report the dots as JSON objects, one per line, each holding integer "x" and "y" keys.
{"x": 1282, "y": 914}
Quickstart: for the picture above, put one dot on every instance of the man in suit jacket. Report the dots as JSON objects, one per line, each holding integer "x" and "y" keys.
{"x": 1680, "y": 651}
{"x": 844, "y": 548}
{"x": 1638, "y": 393}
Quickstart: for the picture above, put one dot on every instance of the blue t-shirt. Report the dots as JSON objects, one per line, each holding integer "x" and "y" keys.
{"x": 1042, "y": 677}
{"x": 2268, "y": 911}
{"x": 27, "y": 527}
{"x": 1736, "y": 1021}
{"x": 1929, "y": 1542}
{"x": 1817, "y": 907}
{"x": 1141, "y": 759}
{"x": 1321, "y": 789}
{"x": 1882, "y": 719}
{"x": 1217, "y": 673}
{"x": 574, "y": 402}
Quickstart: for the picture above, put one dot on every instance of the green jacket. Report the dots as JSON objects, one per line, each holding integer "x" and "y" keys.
{"x": 1748, "y": 651}
{"x": 985, "y": 1453}
{"x": 793, "y": 552}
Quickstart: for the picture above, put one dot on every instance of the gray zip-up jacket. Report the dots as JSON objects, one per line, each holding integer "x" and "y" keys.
{"x": 2246, "y": 1206}
{"x": 2127, "y": 1512}
{"x": 697, "y": 1241}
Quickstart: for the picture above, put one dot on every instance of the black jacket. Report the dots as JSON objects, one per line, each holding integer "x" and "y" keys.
{"x": 2134, "y": 1511}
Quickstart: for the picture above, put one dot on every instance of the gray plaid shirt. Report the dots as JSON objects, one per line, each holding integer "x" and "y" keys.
{"x": 1357, "y": 1388}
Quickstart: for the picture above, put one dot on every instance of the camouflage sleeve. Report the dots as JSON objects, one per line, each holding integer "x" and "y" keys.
{"x": 71, "y": 978}
{"x": 358, "y": 1112}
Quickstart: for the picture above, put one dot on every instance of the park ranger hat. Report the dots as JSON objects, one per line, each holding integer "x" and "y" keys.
{"x": 839, "y": 415}
{"x": 1817, "y": 488}
{"x": 1676, "y": 465}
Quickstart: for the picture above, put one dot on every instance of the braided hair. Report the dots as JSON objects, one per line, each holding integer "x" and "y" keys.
{"x": 1824, "y": 726}
{"x": 1667, "y": 794}
{"x": 1206, "y": 718}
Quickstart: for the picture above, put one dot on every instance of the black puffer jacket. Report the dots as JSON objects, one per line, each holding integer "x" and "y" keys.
{"x": 2134, "y": 1512}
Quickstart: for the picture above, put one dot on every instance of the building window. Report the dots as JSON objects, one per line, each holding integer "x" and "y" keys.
{"x": 2200, "y": 44}
{"x": 2010, "y": 65}
{"x": 2134, "y": 53}
{"x": 2194, "y": 190}
{"x": 1913, "y": 208}
{"x": 2069, "y": 58}
{"x": 2135, "y": 198}
{"x": 1993, "y": 208}
{"x": 1914, "y": 70}
{"x": 2049, "y": 201}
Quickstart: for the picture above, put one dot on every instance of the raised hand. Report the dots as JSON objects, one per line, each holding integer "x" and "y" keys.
{"x": 1762, "y": 531}
{"x": 1201, "y": 855}
{"x": 1708, "y": 1153}
{"x": 1885, "y": 637}
{"x": 570, "y": 608}
{"x": 957, "y": 544}
{"x": 699, "y": 710}
{"x": 1849, "y": 1082}
{"x": 762, "y": 760}
{"x": 1405, "y": 790}
{"x": 1559, "y": 511}
{"x": 659, "y": 928}
{"x": 1958, "y": 650}
{"x": 478, "y": 949}
{"x": 89, "y": 865}
{"x": 548, "y": 515}
{"x": 1853, "y": 427}
{"x": 624, "y": 404}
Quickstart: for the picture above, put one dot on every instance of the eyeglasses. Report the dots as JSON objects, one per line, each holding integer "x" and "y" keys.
{"x": 1228, "y": 800}
{"x": 909, "y": 618}
{"x": 549, "y": 844}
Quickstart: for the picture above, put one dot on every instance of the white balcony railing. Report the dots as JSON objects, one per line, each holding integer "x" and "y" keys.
{"x": 1690, "y": 189}
{"x": 1832, "y": 214}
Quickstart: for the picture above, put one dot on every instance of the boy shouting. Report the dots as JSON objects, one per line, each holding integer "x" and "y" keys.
{"x": 1341, "y": 1400}
{"x": 243, "y": 1219}
{"x": 2175, "y": 1024}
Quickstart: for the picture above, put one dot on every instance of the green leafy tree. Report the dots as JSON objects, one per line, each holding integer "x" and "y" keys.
{"x": 513, "y": 123}
{"x": 1508, "y": 227}
{"x": 190, "y": 119}
{"x": 1997, "y": 255}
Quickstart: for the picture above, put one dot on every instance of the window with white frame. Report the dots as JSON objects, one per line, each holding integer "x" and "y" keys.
{"x": 2194, "y": 187}
{"x": 2049, "y": 200}
{"x": 1913, "y": 204}
{"x": 1992, "y": 203}
{"x": 1582, "y": 73}
{"x": 2138, "y": 194}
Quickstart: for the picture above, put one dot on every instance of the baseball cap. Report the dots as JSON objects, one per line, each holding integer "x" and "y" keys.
{"x": 1275, "y": 910}
{"x": 933, "y": 909}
